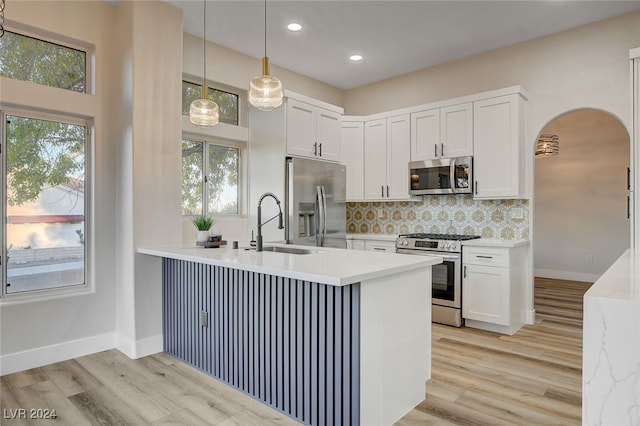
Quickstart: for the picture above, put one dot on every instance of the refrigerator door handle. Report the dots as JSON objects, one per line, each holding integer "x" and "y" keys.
{"x": 318, "y": 216}
{"x": 323, "y": 217}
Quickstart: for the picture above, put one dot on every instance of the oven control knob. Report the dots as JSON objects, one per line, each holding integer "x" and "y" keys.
{"x": 454, "y": 246}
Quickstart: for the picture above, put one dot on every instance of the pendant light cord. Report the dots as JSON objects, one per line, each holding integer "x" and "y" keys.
{"x": 204, "y": 50}
{"x": 265, "y": 28}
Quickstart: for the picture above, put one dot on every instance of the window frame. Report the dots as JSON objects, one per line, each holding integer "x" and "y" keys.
{"x": 67, "y": 42}
{"x": 68, "y": 290}
{"x": 212, "y": 140}
{"x": 223, "y": 88}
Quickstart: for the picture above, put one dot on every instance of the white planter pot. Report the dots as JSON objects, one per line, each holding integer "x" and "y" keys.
{"x": 203, "y": 236}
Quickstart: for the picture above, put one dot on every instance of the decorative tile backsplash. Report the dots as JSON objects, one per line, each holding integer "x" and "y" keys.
{"x": 450, "y": 214}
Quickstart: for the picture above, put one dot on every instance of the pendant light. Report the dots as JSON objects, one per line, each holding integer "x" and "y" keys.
{"x": 547, "y": 146}
{"x": 204, "y": 112}
{"x": 265, "y": 91}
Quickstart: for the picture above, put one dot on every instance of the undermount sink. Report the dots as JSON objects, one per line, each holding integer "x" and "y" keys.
{"x": 288, "y": 250}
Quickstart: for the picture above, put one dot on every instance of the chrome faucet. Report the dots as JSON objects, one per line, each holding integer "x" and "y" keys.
{"x": 279, "y": 216}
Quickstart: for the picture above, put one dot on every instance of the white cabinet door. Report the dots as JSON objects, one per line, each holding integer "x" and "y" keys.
{"x": 497, "y": 138}
{"x": 442, "y": 132}
{"x": 375, "y": 159}
{"x": 328, "y": 135}
{"x": 352, "y": 152}
{"x": 456, "y": 130}
{"x": 312, "y": 131}
{"x": 485, "y": 295}
{"x": 425, "y": 135}
{"x": 398, "y": 155}
{"x": 301, "y": 128}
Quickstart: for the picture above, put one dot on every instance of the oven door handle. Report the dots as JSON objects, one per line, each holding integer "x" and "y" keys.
{"x": 452, "y": 257}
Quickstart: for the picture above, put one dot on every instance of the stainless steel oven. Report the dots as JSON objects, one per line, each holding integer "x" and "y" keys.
{"x": 446, "y": 293}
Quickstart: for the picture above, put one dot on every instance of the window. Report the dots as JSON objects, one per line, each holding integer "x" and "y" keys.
{"x": 43, "y": 203}
{"x": 209, "y": 178}
{"x": 37, "y": 61}
{"x": 228, "y": 102}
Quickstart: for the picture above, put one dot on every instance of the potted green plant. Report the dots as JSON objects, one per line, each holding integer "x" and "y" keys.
{"x": 202, "y": 224}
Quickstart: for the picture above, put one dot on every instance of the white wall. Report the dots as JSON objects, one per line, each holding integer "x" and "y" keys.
{"x": 581, "y": 197}
{"x": 37, "y": 332}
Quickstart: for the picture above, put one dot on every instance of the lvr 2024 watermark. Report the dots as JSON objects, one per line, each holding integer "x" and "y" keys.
{"x": 30, "y": 413}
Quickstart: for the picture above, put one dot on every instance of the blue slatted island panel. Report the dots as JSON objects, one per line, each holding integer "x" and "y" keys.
{"x": 292, "y": 344}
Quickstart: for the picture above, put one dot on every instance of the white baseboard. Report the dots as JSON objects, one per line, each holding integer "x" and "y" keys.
{"x": 530, "y": 316}
{"x": 566, "y": 275}
{"x": 140, "y": 348}
{"x": 25, "y": 360}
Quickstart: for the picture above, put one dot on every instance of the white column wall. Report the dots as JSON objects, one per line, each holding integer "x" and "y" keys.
{"x": 149, "y": 173}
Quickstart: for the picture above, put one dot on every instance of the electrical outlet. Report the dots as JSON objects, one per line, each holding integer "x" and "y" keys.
{"x": 516, "y": 213}
{"x": 589, "y": 258}
{"x": 380, "y": 213}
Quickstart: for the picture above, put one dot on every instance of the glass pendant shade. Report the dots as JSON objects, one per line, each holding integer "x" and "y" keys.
{"x": 204, "y": 112}
{"x": 265, "y": 91}
{"x": 547, "y": 146}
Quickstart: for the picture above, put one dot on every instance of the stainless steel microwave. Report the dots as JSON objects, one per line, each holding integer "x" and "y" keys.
{"x": 441, "y": 176}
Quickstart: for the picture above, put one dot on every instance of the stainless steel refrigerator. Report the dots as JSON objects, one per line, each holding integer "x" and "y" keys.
{"x": 315, "y": 200}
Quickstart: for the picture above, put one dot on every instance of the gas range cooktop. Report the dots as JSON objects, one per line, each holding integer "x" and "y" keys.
{"x": 432, "y": 242}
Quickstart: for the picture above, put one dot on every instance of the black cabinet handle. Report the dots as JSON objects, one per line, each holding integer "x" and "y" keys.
{"x": 628, "y": 207}
{"x": 387, "y": 191}
{"x": 315, "y": 148}
{"x": 320, "y": 150}
{"x": 628, "y": 178}
{"x": 435, "y": 149}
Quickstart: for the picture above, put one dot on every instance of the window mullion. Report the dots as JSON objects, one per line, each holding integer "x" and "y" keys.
{"x": 205, "y": 179}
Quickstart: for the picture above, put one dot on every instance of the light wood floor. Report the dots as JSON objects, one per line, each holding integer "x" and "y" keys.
{"x": 478, "y": 378}
{"x": 532, "y": 377}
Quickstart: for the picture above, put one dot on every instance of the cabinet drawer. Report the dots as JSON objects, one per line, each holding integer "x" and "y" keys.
{"x": 382, "y": 246}
{"x": 489, "y": 256}
{"x": 356, "y": 244}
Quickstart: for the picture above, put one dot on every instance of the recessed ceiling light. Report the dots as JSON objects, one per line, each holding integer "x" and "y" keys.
{"x": 355, "y": 57}
{"x": 294, "y": 26}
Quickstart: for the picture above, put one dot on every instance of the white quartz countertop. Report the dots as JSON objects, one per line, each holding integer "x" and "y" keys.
{"x": 621, "y": 281}
{"x": 489, "y": 242}
{"x": 324, "y": 265}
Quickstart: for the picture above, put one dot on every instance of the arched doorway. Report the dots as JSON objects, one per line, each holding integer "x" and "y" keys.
{"x": 580, "y": 224}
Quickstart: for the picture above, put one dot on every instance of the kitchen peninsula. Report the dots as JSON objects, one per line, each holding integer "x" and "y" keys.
{"x": 329, "y": 336}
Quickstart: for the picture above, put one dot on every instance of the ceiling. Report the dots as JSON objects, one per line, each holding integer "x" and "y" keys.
{"x": 394, "y": 37}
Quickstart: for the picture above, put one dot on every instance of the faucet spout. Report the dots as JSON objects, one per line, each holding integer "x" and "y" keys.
{"x": 260, "y": 223}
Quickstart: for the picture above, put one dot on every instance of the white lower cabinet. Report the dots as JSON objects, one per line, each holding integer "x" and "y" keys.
{"x": 372, "y": 245}
{"x": 355, "y": 244}
{"x": 493, "y": 283}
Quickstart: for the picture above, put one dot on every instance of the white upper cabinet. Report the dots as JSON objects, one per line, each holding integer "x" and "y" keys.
{"x": 498, "y": 157}
{"x": 312, "y": 131}
{"x": 352, "y": 151}
{"x": 386, "y": 158}
{"x": 442, "y": 132}
{"x": 398, "y": 156}
{"x": 375, "y": 159}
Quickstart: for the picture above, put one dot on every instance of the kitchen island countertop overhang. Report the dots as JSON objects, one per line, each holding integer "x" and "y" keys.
{"x": 337, "y": 267}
